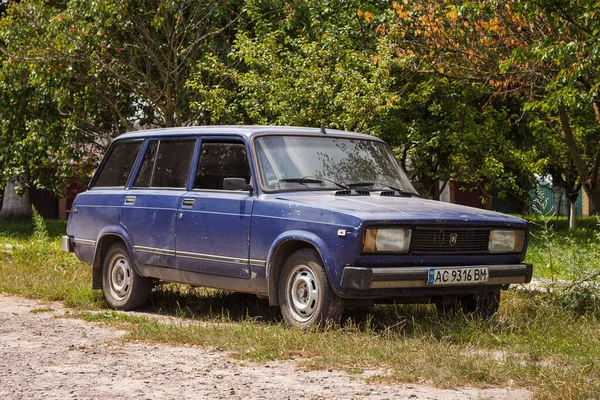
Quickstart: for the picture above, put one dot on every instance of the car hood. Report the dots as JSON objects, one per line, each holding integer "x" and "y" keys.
{"x": 387, "y": 208}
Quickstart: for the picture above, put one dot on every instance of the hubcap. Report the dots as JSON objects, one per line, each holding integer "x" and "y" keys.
{"x": 120, "y": 277}
{"x": 303, "y": 293}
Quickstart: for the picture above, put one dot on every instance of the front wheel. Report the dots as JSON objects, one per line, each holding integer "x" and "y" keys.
{"x": 305, "y": 296}
{"x": 123, "y": 288}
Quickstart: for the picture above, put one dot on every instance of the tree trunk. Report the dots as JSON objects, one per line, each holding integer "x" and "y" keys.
{"x": 589, "y": 179}
{"x": 13, "y": 205}
{"x": 593, "y": 193}
{"x": 572, "y": 215}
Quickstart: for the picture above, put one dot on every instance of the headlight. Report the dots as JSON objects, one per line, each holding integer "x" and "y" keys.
{"x": 506, "y": 241}
{"x": 386, "y": 240}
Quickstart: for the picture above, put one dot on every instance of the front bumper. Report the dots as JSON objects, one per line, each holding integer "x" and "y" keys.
{"x": 416, "y": 277}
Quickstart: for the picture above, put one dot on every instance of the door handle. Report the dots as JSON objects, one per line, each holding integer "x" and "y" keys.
{"x": 129, "y": 200}
{"x": 188, "y": 203}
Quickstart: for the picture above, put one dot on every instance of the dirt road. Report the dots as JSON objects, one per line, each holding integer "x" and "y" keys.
{"x": 44, "y": 355}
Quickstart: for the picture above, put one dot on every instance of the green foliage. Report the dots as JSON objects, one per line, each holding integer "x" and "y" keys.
{"x": 339, "y": 68}
{"x": 310, "y": 68}
{"x": 75, "y": 74}
{"x": 49, "y": 116}
{"x": 446, "y": 83}
{"x": 215, "y": 86}
{"x": 544, "y": 53}
{"x": 442, "y": 129}
{"x": 569, "y": 262}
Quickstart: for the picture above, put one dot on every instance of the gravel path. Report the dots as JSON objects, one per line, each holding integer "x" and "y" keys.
{"x": 46, "y": 356}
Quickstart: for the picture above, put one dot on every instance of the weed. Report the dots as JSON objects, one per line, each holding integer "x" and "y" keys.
{"x": 40, "y": 232}
{"x": 111, "y": 317}
{"x": 41, "y": 310}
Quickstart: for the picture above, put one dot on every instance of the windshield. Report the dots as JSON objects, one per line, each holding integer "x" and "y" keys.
{"x": 325, "y": 162}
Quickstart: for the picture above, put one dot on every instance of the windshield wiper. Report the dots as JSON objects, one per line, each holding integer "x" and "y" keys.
{"x": 312, "y": 179}
{"x": 373, "y": 184}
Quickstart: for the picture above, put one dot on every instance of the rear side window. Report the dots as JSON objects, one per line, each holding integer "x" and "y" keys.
{"x": 117, "y": 167}
{"x": 219, "y": 161}
{"x": 166, "y": 164}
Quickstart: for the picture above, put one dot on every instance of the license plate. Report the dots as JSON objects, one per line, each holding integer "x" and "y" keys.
{"x": 457, "y": 276}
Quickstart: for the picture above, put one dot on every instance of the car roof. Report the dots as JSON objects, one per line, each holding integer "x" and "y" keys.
{"x": 246, "y": 131}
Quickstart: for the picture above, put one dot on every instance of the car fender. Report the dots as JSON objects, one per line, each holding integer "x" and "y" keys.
{"x": 303, "y": 236}
{"x": 121, "y": 232}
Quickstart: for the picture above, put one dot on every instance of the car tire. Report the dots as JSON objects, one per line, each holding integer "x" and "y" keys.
{"x": 306, "y": 298}
{"x": 478, "y": 305}
{"x": 448, "y": 305}
{"x": 483, "y": 306}
{"x": 123, "y": 288}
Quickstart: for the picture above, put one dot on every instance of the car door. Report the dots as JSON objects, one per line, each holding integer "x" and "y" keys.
{"x": 214, "y": 223}
{"x": 150, "y": 206}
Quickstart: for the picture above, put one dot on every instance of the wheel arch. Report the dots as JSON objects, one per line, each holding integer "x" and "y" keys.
{"x": 105, "y": 240}
{"x": 282, "y": 249}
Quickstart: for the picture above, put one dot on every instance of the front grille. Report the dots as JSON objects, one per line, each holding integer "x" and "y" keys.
{"x": 450, "y": 240}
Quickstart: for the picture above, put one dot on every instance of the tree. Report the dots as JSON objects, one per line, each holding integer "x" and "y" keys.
{"x": 43, "y": 133}
{"x": 320, "y": 64}
{"x": 543, "y": 51}
{"x": 87, "y": 71}
{"x": 443, "y": 130}
{"x": 333, "y": 63}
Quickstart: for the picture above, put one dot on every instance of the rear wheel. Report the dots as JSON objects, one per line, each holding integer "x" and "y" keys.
{"x": 305, "y": 296}
{"x": 483, "y": 306}
{"x": 123, "y": 288}
{"x": 479, "y": 305}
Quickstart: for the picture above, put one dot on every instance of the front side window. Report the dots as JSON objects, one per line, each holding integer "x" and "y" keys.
{"x": 117, "y": 167}
{"x": 166, "y": 164}
{"x": 289, "y": 162}
{"x": 219, "y": 161}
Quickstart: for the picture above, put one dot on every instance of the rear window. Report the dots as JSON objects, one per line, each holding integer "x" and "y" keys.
{"x": 119, "y": 162}
{"x": 166, "y": 164}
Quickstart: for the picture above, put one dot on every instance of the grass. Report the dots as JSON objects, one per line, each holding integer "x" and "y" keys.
{"x": 33, "y": 265}
{"x": 547, "y": 342}
{"x": 41, "y": 310}
{"x": 557, "y": 253}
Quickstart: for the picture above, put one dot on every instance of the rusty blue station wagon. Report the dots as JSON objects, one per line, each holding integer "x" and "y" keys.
{"x": 314, "y": 220}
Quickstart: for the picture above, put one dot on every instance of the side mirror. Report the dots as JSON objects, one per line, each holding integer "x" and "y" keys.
{"x": 236, "y": 184}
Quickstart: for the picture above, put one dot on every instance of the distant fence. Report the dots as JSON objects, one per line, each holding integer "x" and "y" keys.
{"x": 44, "y": 201}
{"x": 552, "y": 200}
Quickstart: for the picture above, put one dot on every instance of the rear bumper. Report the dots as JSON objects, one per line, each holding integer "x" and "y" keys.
{"x": 66, "y": 244}
{"x": 416, "y": 277}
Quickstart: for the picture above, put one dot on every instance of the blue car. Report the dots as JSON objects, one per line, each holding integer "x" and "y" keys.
{"x": 314, "y": 220}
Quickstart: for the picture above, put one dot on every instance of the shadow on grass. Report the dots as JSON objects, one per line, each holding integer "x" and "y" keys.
{"x": 224, "y": 306}
{"x": 211, "y": 304}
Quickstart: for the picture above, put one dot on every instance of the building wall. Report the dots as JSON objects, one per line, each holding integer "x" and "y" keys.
{"x": 464, "y": 194}
{"x": 587, "y": 208}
